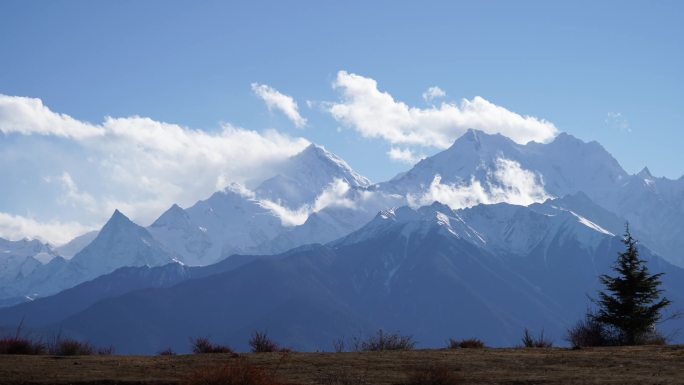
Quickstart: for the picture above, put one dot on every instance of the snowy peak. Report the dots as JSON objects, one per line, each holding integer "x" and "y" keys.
{"x": 410, "y": 222}
{"x": 22, "y": 257}
{"x": 475, "y": 143}
{"x": 474, "y": 154}
{"x": 565, "y": 139}
{"x": 22, "y": 248}
{"x": 501, "y": 229}
{"x": 645, "y": 173}
{"x": 176, "y": 230}
{"x": 118, "y": 227}
{"x": 175, "y": 216}
{"x": 117, "y": 221}
{"x": 499, "y": 165}
{"x": 477, "y": 140}
{"x": 304, "y": 176}
{"x": 317, "y": 154}
{"x": 120, "y": 243}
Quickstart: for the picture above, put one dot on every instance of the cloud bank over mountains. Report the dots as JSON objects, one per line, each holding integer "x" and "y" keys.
{"x": 135, "y": 164}
{"x": 508, "y": 182}
{"x": 376, "y": 114}
{"x": 68, "y": 175}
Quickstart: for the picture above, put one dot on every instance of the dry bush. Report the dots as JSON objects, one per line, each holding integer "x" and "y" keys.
{"x": 469, "y": 343}
{"x": 203, "y": 345}
{"x": 260, "y": 343}
{"x": 384, "y": 341}
{"x": 108, "y": 351}
{"x": 529, "y": 341}
{"x": 19, "y": 345}
{"x": 434, "y": 374}
{"x": 653, "y": 337}
{"x": 589, "y": 332}
{"x": 73, "y": 347}
{"x": 167, "y": 352}
{"x": 237, "y": 372}
{"x": 338, "y": 345}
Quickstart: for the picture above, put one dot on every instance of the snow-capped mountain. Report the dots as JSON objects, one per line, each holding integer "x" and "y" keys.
{"x": 433, "y": 272}
{"x": 484, "y": 168}
{"x": 178, "y": 232}
{"x": 119, "y": 243}
{"x": 20, "y": 258}
{"x": 315, "y": 197}
{"x": 302, "y": 178}
{"x": 500, "y": 229}
{"x": 230, "y": 221}
{"x": 238, "y": 220}
{"x": 565, "y": 166}
{"x": 477, "y": 168}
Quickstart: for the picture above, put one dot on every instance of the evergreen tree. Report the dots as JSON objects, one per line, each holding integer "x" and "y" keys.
{"x": 631, "y": 304}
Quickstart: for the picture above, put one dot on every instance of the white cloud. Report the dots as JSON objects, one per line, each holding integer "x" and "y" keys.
{"x": 15, "y": 227}
{"x": 72, "y": 194}
{"x": 508, "y": 183}
{"x": 136, "y": 164}
{"x": 433, "y": 93}
{"x": 334, "y": 195}
{"x": 274, "y": 99}
{"x": 617, "y": 121}
{"x": 404, "y": 155}
{"x": 29, "y": 116}
{"x": 375, "y": 114}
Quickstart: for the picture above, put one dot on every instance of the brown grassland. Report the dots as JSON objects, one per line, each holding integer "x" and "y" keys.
{"x": 611, "y": 365}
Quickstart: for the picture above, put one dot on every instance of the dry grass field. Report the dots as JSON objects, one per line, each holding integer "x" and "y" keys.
{"x": 624, "y": 365}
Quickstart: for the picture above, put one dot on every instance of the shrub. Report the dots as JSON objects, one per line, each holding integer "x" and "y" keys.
{"x": 71, "y": 347}
{"x": 589, "y": 332}
{"x": 654, "y": 337}
{"x": 167, "y": 352}
{"x": 237, "y": 372}
{"x": 383, "y": 341}
{"x": 470, "y": 343}
{"x": 108, "y": 351}
{"x": 19, "y": 345}
{"x": 530, "y": 341}
{"x": 203, "y": 345}
{"x": 338, "y": 345}
{"x": 432, "y": 375}
{"x": 260, "y": 343}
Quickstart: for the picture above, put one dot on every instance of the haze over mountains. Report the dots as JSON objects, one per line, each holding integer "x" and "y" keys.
{"x": 517, "y": 240}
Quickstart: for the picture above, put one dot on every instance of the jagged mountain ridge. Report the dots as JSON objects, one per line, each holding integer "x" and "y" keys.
{"x": 566, "y": 166}
{"x": 300, "y": 180}
{"x": 432, "y": 272}
{"x": 236, "y": 220}
{"x": 19, "y": 259}
{"x": 119, "y": 243}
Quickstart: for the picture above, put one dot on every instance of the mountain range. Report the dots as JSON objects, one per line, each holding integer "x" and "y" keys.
{"x": 483, "y": 239}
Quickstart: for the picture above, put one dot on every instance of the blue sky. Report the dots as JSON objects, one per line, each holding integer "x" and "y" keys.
{"x": 609, "y": 71}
